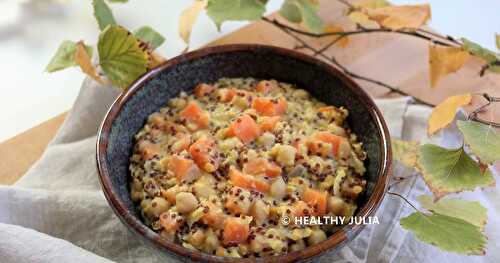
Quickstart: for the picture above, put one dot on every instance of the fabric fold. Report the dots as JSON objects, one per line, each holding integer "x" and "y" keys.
{"x": 58, "y": 210}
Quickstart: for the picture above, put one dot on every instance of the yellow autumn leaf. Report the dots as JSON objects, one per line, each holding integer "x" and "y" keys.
{"x": 445, "y": 60}
{"x": 83, "y": 60}
{"x": 372, "y": 4}
{"x": 444, "y": 113}
{"x": 188, "y": 18}
{"x": 344, "y": 41}
{"x": 399, "y": 17}
{"x": 406, "y": 152}
{"x": 363, "y": 19}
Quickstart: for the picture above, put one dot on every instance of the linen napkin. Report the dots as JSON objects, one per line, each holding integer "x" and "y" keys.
{"x": 57, "y": 212}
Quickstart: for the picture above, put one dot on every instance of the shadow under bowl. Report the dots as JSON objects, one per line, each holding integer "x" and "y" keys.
{"x": 148, "y": 94}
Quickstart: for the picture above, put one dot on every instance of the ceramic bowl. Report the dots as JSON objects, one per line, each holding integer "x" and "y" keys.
{"x": 150, "y": 92}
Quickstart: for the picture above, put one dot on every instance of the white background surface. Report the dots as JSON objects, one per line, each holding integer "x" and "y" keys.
{"x": 31, "y": 32}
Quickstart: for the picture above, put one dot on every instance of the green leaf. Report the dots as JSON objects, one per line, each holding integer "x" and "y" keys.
{"x": 103, "y": 14}
{"x": 405, "y": 152}
{"x": 239, "y": 10}
{"x": 120, "y": 56}
{"x": 446, "y": 232}
{"x": 483, "y": 140}
{"x": 451, "y": 170}
{"x": 150, "y": 36}
{"x": 65, "y": 56}
{"x": 290, "y": 11}
{"x": 118, "y": 1}
{"x": 477, "y": 50}
{"x": 305, "y": 11}
{"x": 470, "y": 211}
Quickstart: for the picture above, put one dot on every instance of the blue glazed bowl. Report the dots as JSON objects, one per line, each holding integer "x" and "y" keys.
{"x": 150, "y": 92}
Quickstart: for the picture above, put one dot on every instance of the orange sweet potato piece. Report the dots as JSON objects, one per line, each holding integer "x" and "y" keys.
{"x": 325, "y": 137}
{"x": 236, "y": 231}
{"x": 233, "y": 205}
{"x": 255, "y": 166}
{"x": 148, "y": 150}
{"x": 316, "y": 199}
{"x": 246, "y": 181}
{"x": 214, "y": 217}
{"x": 204, "y": 154}
{"x": 267, "y": 123}
{"x": 245, "y": 128}
{"x": 193, "y": 113}
{"x": 260, "y": 166}
{"x": 273, "y": 170}
{"x": 226, "y": 95}
{"x": 300, "y": 209}
{"x": 269, "y": 106}
{"x": 183, "y": 168}
{"x": 184, "y": 140}
{"x": 261, "y": 185}
{"x": 203, "y": 89}
{"x": 240, "y": 179}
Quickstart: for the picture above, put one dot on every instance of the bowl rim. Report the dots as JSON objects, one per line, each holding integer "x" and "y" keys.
{"x": 339, "y": 238}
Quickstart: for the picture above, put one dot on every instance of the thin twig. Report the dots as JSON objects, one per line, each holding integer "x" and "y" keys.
{"x": 333, "y": 60}
{"x": 436, "y": 35}
{"x": 400, "y": 179}
{"x": 361, "y": 30}
{"x": 418, "y": 33}
{"x": 327, "y": 46}
{"x": 406, "y": 200}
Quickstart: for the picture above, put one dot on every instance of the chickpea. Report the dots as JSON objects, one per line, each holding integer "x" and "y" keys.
{"x": 257, "y": 244}
{"x": 299, "y": 245}
{"x": 278, "y": 188}
{"x": 316, "y": 237}
{"x": 284, "y": 154}
{"x": 136, "y": 195}
{"x": 336, "y": 205}
{"x": 158, "y": 206}
{"x": 259, "y": 211}
{"x": 300, "y": 94}
{"x": 211, "y": 241}
{"x": 177, "y": 103}
{"x": 197, "y": 238}
{"x": 185, "y": 202}
{"x": 203, "y": 190}
{"x": 344, "y": 149}
{"x": 266, "y": 139}
{"x": 239, "y": 204}
{"x": 136, "y": 188}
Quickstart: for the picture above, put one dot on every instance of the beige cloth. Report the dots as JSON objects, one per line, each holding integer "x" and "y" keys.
{"x": 57, "y": 212}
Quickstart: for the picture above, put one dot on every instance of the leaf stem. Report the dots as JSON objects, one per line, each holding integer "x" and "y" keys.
{"x": 404, "y": 199}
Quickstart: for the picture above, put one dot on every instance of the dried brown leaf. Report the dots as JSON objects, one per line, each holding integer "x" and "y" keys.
{"x": 83, "y": 60}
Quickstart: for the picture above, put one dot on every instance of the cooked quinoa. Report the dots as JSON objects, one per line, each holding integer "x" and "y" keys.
{"x": 219, "y": 169}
